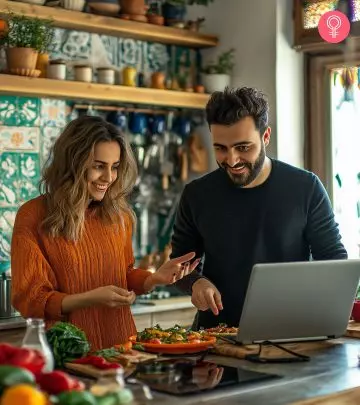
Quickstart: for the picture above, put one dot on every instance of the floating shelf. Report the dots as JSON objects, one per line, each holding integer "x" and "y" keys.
{"x": 77, "y": 91}
{"x": 112, "y": 26}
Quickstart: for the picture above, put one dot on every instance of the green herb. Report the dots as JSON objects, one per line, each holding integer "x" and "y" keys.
{"x": 139, "y": 347}
{"x": 224, "y": 64}
{"x": 67, "y": 342}
{"x": 109, "y": 353}
{"x": 28, "y": 32}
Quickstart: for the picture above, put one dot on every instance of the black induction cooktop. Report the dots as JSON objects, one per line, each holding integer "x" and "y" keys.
{"x": 183, "y": 376}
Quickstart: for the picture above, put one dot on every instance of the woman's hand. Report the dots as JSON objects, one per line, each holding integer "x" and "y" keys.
{"x": 111, "y": 296}
{"x": 172, "y": 271}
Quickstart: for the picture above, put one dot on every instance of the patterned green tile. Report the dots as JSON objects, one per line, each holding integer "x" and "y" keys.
{"x": 29, "y": 176}
{"x": 7, "y": 218}
{"x": 9, "y": 178}
{"x": 28, "y": 111}
{"x": 8, "y": 110}
{"x": 5, "y": 245}
{"x": 18, "y": 139}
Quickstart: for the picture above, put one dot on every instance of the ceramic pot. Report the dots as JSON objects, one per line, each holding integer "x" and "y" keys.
{"x": 106, "y": 75}
{"x": 156, "y": 19}
{"x": 158, "y": 80}
{"x": 56, "y": 70}
{"x": 21, "y": 58}
{"x": 129, "y": 76}
{"x": 133, "y": 7}
{"x": 173, "y": 12}
{"x": 42, "y": 63}
{"x": 83, "y": 73}
{"x": 215, "y": 82}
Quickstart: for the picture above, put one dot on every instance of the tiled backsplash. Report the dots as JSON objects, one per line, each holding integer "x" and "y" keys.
{"x": 102, "y": 50}
{"x": 29, "y": 126}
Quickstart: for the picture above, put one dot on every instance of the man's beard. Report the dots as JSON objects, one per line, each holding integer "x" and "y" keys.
{"x": 252, "y": 170}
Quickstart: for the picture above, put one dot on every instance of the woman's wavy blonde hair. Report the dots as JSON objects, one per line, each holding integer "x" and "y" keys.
{"x": 65, "y": 184}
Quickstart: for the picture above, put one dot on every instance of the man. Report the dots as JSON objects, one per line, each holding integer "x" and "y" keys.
{"x": 252, "y": 209}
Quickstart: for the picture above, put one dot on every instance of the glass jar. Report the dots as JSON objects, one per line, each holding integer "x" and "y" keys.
{"x": 56, "y": 70}
{"x": 35, "y": 338}
{"x": 106, "y": 75}
{"x": 83, "y": 73}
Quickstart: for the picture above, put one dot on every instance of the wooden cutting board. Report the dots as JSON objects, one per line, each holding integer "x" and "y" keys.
{"x": 132, "y": 358}
{"x": 231, "y": 350}
{"x": 88, "y": 371}
{"x": 353, "y": 330}
{"x": 348, "y": 397}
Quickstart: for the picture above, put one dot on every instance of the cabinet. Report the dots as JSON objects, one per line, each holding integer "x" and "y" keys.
{"x": 166, "y": 319}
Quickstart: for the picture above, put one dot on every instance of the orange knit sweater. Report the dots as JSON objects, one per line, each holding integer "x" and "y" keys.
{"x": 45, "y": 269}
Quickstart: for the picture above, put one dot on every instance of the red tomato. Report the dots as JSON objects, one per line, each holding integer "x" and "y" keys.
{"x": 155, "y": 341}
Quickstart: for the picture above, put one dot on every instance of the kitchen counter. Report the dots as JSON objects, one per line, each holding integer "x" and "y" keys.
{"x": 329, "y": 371}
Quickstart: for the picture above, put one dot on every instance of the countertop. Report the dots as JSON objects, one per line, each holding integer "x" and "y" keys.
{"x": 329, "y": 371}
{"x": 139, "y": 308}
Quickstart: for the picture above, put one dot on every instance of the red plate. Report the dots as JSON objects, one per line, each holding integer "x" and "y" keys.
{"x": 176, "y": 348}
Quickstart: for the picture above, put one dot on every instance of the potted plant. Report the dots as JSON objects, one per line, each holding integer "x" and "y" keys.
{"x": 154, "y": 14}
{"x": 217, "y": 75}
{"x": 355, "y": 314}
{"x": 174, "y": 11}
{"x": 23, "y": 40}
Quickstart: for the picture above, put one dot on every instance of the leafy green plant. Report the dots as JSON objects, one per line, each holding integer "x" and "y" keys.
{"x": 358, "y": 293}
{"x": 28, "y": 32}
{"x": 224, "y": 64}
{"x": 67, "y": 343}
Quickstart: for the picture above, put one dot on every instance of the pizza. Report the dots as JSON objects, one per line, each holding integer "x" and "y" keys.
{"x": 174, "y": 335}
{"x": 221, "y": 330}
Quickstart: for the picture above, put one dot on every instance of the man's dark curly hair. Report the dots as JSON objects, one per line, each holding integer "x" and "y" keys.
{"x": 231, "y": 105}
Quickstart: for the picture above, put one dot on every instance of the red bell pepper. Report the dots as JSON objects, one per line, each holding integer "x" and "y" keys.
{"x": 98, "y": 362}
{"x": 6, "y": 351}
{"x": 57, "y": 382}
{"x": 30, "y": 359}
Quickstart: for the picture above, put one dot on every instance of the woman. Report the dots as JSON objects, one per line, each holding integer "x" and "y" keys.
{"x": 71, "y": 252}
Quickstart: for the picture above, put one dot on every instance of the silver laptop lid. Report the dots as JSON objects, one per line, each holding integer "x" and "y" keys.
{"x": 298, "y": 301}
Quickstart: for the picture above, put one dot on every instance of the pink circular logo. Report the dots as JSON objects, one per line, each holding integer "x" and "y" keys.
{"x": 334, "y": 26}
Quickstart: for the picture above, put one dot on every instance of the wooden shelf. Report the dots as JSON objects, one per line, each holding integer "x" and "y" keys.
{"x": 77, "y": 91}
{"x": 112, "y": 26}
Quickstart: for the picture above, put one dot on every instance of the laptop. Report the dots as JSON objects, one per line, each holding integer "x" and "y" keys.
{"x": 298, "y": 301}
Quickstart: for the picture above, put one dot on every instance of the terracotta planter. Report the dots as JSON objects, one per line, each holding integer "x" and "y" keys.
{"x": 199, "y": 88}
{"x": 156, "y": 19}
{"x": 42, "y": 63}
{"x": 133, "y": 7}
{"x": 21, "y": 58}
{"x": 158, "y": 80}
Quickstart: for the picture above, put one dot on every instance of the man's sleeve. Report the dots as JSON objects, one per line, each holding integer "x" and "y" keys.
{"x": 186, "y": 238}
{"x": 322, "y": 232}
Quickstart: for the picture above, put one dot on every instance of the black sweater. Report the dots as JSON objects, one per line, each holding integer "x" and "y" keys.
{"x": 288, "y": 218}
